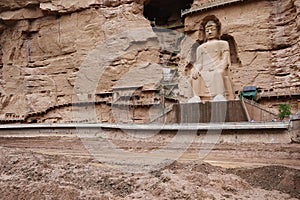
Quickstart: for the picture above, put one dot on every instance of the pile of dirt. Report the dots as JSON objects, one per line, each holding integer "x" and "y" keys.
{"x": 279, "y": 178}
{"x": 26, "y": 174}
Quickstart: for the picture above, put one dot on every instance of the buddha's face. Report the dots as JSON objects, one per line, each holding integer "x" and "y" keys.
{"x": 211, "y": 30}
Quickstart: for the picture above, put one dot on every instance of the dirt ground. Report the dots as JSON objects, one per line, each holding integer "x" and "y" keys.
{"x": 61, "y": 168}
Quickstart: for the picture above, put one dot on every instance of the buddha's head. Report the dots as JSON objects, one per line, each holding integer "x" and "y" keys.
{"x": 211, "y": 28}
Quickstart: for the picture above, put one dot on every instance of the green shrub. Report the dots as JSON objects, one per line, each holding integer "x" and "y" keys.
{"x": 284, "y": 111}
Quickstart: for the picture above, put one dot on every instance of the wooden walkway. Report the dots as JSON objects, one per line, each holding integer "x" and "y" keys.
{"x": 208, "y": 5}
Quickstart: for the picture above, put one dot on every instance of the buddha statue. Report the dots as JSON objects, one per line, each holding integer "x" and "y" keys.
{"x": 209, "y": 75}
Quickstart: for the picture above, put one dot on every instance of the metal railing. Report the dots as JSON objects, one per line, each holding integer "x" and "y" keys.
{"x": 260, "y": 106}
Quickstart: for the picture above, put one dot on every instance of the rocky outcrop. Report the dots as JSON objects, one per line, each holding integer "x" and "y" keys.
{"x": 44, "y": 43}
{"x": 285, "y": 26}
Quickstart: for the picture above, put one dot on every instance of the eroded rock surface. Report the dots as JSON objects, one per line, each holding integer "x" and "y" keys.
{"x": 44, "y": 44}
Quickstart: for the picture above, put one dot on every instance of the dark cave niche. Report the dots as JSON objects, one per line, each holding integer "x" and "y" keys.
{"x": 166, "y": 13}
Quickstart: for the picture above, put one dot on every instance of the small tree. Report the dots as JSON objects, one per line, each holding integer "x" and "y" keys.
{"x": 284, "y": 111}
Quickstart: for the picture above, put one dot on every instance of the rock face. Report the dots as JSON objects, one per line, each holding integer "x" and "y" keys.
{"x": 285, "y": 26}
{"x": 45, "y": 44}
{"x": 264, "y": 38}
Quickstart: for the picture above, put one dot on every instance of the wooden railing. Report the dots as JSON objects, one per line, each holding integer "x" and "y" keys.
{"x": 207, "y": 5}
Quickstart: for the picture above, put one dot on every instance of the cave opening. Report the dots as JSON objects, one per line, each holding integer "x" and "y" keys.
{"x": 233, "y": 49}
{"x": 166, "y": 13}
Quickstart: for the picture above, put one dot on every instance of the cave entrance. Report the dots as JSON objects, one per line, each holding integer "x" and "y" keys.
{"x": 166, "y": 13}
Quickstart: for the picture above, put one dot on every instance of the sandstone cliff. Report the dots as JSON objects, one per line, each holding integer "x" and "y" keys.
{"x": 46, "y": 45}
{"x": 45, "y": 42}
